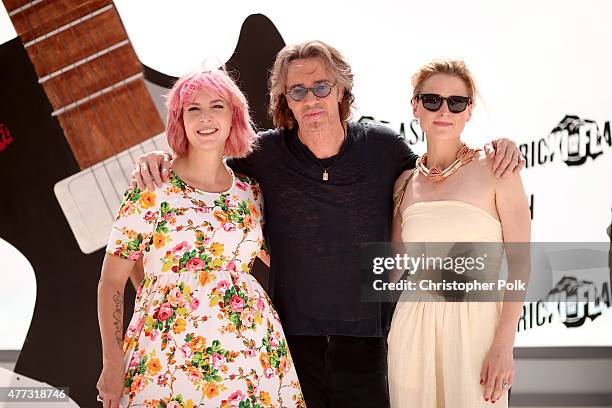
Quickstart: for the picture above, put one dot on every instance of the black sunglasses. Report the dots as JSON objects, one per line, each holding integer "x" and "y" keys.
{"x": 433, "y": 102}
{"x": 320, "y": 90}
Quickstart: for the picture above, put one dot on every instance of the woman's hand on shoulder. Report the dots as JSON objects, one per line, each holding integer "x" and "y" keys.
{"x": 506, "y": 157}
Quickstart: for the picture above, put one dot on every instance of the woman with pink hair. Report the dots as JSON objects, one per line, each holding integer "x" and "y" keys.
{"x": 204, "y": 332}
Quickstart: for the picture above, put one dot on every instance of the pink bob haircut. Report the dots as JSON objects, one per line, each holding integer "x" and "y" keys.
{"x": 240, "y": 141}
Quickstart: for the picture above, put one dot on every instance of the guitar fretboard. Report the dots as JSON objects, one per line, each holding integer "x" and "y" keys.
{"x": 92, "y": 77}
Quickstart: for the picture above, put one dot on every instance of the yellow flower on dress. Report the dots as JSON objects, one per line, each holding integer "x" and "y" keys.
{"x": 216, "y": 248}
{"x": 264, "y": 397}
{"x": 151, "y": 403}
{"x": 217, "y": 263}
{"x": 154, "y": 366}
{"x": 211, "y": 390}
{"x": 197, "y": 344}
{"x": 264, "y": 360}
{"x": 179, "y": 326}
{"x": 147, "y": 199}
{"x": 159, "y": 240}
{"x": 220, "y": 216}
{"x": 254, "y": 211}
{"x": 205, "y": 278}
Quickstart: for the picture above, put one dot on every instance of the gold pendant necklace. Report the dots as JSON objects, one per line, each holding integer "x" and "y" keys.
{"x": 325, "y": 175}
{"x": 436, "y": 174}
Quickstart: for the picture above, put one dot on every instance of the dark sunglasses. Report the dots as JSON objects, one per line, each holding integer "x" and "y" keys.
{"x": 433, "y": 102}
{"x": 320, "y": 90}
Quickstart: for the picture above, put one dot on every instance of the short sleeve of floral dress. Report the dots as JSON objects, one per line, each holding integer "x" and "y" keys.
{"x": 204, "y": 332}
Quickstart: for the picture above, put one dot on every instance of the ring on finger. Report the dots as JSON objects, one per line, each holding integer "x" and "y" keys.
{"x": 505, "y": 385}
{"x": 99, "y": 398}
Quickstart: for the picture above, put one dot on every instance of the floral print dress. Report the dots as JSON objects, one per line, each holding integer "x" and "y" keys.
{"x": 204, "y": 332}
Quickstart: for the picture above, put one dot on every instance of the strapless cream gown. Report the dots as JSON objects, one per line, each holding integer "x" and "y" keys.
{"x": 436, "y": 349}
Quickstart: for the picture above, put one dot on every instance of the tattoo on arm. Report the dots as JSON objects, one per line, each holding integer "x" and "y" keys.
{"x": 118, "y": 317}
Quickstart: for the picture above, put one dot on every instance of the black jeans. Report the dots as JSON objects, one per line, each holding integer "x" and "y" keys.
{"x": 341, "y": 371}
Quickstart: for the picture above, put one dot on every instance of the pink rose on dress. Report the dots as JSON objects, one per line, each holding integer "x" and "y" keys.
{"x": 230, "y": 266}
{"x": 174, "y": 404}
{"x": 241, "y": 185}
{"x": 154, "y": 335}
{"x": 135, "y": 360}
{"x": 135, "y": 328}
{"x": 163, "y": 379}
{"x": 261, "y": 305}
{"x": 131, "y": 331}
{"x": 195, "y": 264}
{"x": 164, "y": 312}
{"x": 150, "y": 216}
{"x": 235, "y": 398}
{"x": 217, "y": 360}
{"x": 181, "y": 248}
{"x": 193, "y": 305}
{"x": 133, "y": 255}
{"x": 229, "y": 226}
{"x": 236, "y": 303}
{"x": 250, "y": 353}
{"x": 230, "y": 202}
{"x": 269, "y": 372}
{"x": 223, "y": 286}
{"x": 273, "y": 342}
{"x": 186, "y": 350}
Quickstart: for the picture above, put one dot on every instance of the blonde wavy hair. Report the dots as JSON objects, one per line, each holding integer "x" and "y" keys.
{"x": 456, "y": 68}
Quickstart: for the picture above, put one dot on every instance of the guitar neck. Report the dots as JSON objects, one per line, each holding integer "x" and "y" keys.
{"x": 90, "y": 73}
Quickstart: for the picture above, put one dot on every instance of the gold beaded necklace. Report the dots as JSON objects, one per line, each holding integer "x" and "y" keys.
{"x": 436, "y": 174}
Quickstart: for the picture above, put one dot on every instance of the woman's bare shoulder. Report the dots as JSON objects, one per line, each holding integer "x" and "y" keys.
{"x": 484, "y": 163}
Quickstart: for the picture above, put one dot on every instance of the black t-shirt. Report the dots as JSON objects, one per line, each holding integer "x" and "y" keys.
{"x": 314, "y": 228}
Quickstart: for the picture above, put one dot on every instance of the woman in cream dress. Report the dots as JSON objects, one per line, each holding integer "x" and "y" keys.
{"x": 453, "y": 354}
